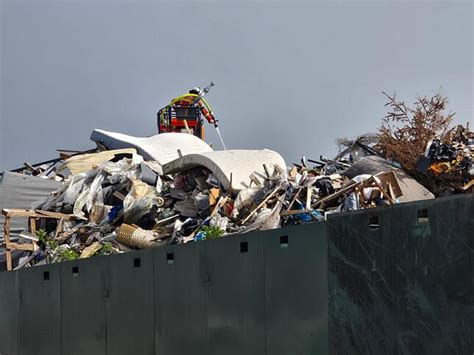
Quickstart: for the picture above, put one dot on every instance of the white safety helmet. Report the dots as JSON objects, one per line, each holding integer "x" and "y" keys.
{"x": 196, "y": 90}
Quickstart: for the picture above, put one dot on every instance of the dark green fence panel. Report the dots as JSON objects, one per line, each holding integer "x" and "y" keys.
{"x": 130, "y": 305}
{"x": 296, "y": 290}
{"x": 83, "y": 310}
{"x": 40, "y": 310}
{"x": 180, "y": 301}
{"x": 451, "y": 292}
{"x": 9, "y": 309}
{"x": 361, "y": 270}
{"x": 400, "y": 281}
{"x": 235, "y": 294}
{"x": 404, "y": 287}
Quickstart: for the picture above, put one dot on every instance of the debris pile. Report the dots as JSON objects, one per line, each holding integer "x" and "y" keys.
{"x": 448, "y": 164}
{"x": 422, "y": 141}
{"x": 48, "y": 169}
{"x": 126, "y": 203}
{"x": 134, "y": 193}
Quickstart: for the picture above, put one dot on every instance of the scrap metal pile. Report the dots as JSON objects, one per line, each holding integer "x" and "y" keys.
{"x": 113, "y": 201}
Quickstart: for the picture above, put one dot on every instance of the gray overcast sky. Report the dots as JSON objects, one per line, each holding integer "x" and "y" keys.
{"x": 289, "y": 76}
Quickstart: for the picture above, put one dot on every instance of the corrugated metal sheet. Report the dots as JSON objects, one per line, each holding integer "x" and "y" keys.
{"x": 20, "y": 191}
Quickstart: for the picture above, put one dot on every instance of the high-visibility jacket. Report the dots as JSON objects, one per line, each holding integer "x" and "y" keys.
{"x": 193, "y": 99}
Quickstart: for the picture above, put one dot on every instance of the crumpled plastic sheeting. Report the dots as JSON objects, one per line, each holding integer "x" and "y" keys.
{"x": 80, "y": 203}
{"x": 74, "y": 188}
{"x": 52, "y": 202}
{"x": 219, "y": 221}
{"x": 84, "y": 190}
{"x": 266, "y": 219}
{"x": 245, "y": 198}
{"x": 139, "y": 201}
{"x": 95, "y": 191}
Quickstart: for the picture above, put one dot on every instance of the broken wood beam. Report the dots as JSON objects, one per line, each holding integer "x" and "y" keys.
{"x": 336, "y": 194}
{"x": 295, "y": 198}
{"x": 261, "y": 205}
{"x": 309, "y": 192}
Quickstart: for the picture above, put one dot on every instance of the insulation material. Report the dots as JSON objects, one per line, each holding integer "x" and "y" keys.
{"x": 85, "y": 162}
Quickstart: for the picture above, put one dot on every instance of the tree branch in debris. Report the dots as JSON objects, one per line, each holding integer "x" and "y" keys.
{"x": 405, "y": 131}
